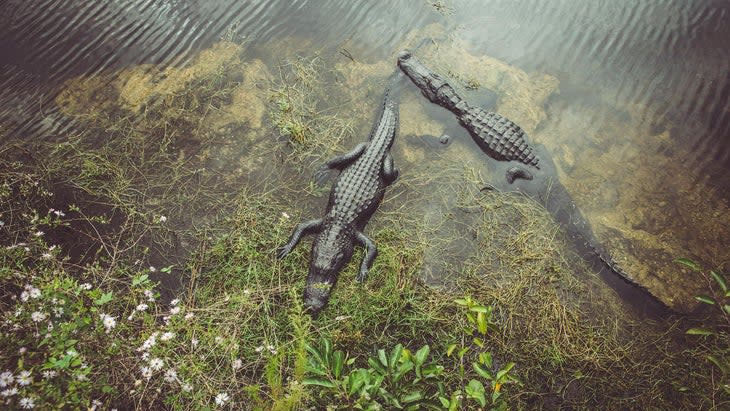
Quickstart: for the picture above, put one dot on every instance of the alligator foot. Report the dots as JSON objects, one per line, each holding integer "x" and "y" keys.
{"x": 322, "y": 175}
{"x": 517, "y": 172}
{"x": 303, "y": 229}
{"x": 371, "y": 251}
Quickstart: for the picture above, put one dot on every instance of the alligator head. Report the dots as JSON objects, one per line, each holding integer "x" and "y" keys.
{"x": 331, "y": 251}
{"x": 429, "y": 82}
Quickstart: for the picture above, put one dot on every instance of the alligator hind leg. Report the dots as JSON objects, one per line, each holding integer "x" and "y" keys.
{"x": 339, "y": 162}
{"x": 371, "y": 251}
{"x": 304, "y": 229}
{"x": 390, "y": 173}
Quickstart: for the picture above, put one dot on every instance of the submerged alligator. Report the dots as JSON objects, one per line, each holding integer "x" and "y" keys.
{"x": 365, "y": 172}
{"x": 528, "y": 168}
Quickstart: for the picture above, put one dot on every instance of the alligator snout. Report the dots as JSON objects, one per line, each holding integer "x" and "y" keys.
{"x": 316, "y": 296}
{"x": 404, "y": 55}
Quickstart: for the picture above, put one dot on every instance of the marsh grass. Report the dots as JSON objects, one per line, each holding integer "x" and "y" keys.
{"x": 125, "y": 193}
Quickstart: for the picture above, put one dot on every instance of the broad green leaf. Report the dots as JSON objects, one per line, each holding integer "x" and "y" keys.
{"x": 338, "y": 359}
{"x": 105, "y": 298}
{"x": 689, "y": 263}
{"x": 481, "y": 371}
{"x": 444, "y": 402}
{"x": 479, "y": 309}
{"x": 395, "y": 355}
{"x": 475, "y": 390}
{"x": 450, "y": 350}
{"x": 486, "y": 359}
{"x": 705, "y": 299}
{"x": 383, "y": 358}
{"x": 140, "y": 279}
{"x": 482, "y": 322}
{"x": 318, "y": 381}
{"x": 698, "y": 331}
{"x": 422, "y": 354}
{"x": 506, "y": 369}
{"x": 726, "y": 307}
{"x": 377, "y": 366}
{"x": 719, "y": 280}
{"x": 461, "y": 301}
{"x": 414, "y": 396}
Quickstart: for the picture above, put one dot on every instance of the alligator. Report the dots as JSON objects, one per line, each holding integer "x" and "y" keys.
{"x": 499, "y": 137}
{"x": 528, "y": 168}
{"x": 365, "y": 172}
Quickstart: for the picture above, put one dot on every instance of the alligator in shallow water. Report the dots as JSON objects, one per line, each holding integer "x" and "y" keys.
{"x": 527, "y": 167}
{"x": 365, "y": 172}
{"x": 497, "y": 136}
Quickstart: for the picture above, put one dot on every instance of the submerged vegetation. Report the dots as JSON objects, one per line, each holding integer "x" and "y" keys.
{"x": 138, "y": 271}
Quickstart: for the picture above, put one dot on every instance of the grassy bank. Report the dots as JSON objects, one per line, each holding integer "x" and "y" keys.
{"x": 138, "y": 271}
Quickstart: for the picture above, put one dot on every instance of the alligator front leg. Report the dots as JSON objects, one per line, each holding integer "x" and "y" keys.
{"x": 390, "y": 173}
{"x": 371, "y": 251}
{"x": 304, "y": 229}
{"x": 339, "y": 162}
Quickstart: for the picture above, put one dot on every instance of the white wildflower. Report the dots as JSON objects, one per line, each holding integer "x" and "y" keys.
{"x": 167, "y": 336}
{"x": 58, "y": 213}
{"x": 24, "y": 296}
{"x": 72, "y": 352}
{"x": 46, "y": 256}
{"x": 174, "y": 310}
{"x": 108, "y": 321}
{"x": 237, "y": 364}
{"x": 152, "y": 269}
{"x": 142, "y": 307}
{"x": 175, "y": 302}
{"x": 146, "y": 372}
{"x": 9, "y": 392}
{"x": 194, "y": 342}
{"x": 156, "y": 364}
{"x": 171, "y": 375}
{"x": 162, "y": 219}
{"x": 6, "y": 379}
{"x": 186, "y": 387}
{"x": 38, "y": 233}
{"x": 27, "y": 403}
{"x": 246, "y": 291}
{"x": 85, "y": 286}
{"x": 95, "y": 404}
{"x": 285, "y": 215}
{"x": 48, "y": 374}
{"x": 150, "y": 295}
{"x": 221, "y": 399}
{"x": 81, "y": 377}
{"x": 149, "y": 342}
{"x": 24, "y": 378}
{"x": 38, "y": 316}
{"x": 22, "y": 350}
{"x": 260, "y": 348}
{"x": 218, "y": 339}
{"x": 34, "y": 292}
{"x": 189, "y": 316}
{"x": 145, "y": 356}
{"x": 58, "y": 311}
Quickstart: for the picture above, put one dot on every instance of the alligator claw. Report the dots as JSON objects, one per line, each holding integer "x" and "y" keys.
{"x": 361, "y": 276}
{"x": 283, "y": 252}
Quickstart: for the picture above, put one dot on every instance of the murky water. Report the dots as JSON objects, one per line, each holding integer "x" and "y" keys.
{"x": 631, "y": 98}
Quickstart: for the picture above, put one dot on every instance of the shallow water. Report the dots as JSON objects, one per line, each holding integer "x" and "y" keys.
{"x": 631, "y": 98}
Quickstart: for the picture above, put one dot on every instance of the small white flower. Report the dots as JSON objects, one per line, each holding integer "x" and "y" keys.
{"x": 81, "y": 377}
{"x": 48, "y": 374}
{"x": 285, "y": 215}
{"x": 22, "y": 350}
{"x": 246, "y": 291}
{"x": 59, "y": 213}
{"x": 194, "y": 342}
{"x": 142, "y": 307}
{"x": 53, "y": 247}
{"x": 167, "y": 336}
{"x": 218, "y": 339}
{"x": 38, "y": 316}
{"x": 24, "y": 296}
{"x": 6, "y": 379}
{"x": 9, "y": 392}
{"x": 171, "y": 375}
{"x": 186, "y": 387}
{"x": 85, "y": 286}
{"x": 237, "y": 364}
{"x": 260, "y": 348}
{"x": 150, "y": 295}
{"x": 174, "y": 310}
{"x": 149, "y": 342}
{"x": 94, "y": 405}
{"x": 38, "y": 233}
{"x": 34, "y": 292}
{"x": 72, "y": 352}
{"x": 156, "y": 364}
{"x": 189, "y": 316}
{"x": 24, "y": 378}
{"x": 146, "y": 372}
{"x": 46, "y": 256}
{"x": 221, "y": 399}
{"x": 145, "y": 356}
{"x": 162, "y": 219}
{"x": 152, "y": 269}
{"x": 175, "y": 302}
{"x": 27, "y": 403}
{"x": 108, "y": 321}
{"x": 58, "y": 311}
